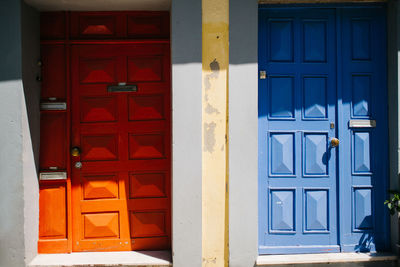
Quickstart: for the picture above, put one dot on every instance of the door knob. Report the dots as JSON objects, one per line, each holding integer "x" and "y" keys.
{"x": 334, "y": 142}
{"x": 75, "y": 151}
{"x": 78, "y": 165}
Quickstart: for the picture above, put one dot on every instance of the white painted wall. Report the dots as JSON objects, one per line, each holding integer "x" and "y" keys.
{"x": 186, "y": 132}
{"x": 243, "y": 128}
{"x": 12, "y": 248}
{"x": 30, "y": 118}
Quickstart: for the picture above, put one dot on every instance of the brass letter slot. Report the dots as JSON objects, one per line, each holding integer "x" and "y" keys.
{"x": 122, "y": 87}
{"x": 53, "y": 106}
{"x": 45, "y": 176}
{"x": 362, "y": 123}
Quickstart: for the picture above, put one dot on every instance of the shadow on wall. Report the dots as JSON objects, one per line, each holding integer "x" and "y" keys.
{"x": 16, "y": 66}
{"x": 10, "y": 67}
{"x": 30, "y": 26}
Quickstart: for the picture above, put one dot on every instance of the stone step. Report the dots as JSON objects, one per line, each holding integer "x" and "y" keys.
{"x": 104, "y": 259}
{"x": 331, "y": 259}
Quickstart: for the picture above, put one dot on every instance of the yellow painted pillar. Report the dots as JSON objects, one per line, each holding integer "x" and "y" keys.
{"x": 215, "y": 63}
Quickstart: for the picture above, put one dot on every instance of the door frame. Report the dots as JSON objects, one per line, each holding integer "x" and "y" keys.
{"x": 60, "y": 33}
{"x": 339, "y": 113}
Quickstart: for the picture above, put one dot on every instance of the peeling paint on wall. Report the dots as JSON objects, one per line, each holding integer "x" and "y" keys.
{"x": 215, "y": 64}
{"x": 209, "y": 136}
{"x": 210, "y": 109}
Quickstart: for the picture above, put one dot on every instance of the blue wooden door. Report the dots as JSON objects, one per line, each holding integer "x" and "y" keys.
{"x": 325, "y": 68}
{"x": 363, "y": 164}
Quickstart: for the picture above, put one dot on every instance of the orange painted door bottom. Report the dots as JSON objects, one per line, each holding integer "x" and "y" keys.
{"x": 117, "y": 193}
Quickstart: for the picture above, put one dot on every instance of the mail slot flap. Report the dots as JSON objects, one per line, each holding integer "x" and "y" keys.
{"x": 122, "y": 88}
{"x": 362, "y": 123}
{"x": 53, "y": 106}
{"x": 46, "y": 176}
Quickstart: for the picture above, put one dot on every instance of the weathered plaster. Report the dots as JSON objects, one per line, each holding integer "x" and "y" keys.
{"x": 209, "y": 136}
{"x": 215, "y": 60}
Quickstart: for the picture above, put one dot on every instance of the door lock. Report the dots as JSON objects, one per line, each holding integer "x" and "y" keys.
{"x": 263, "y": 74}
{"x": 78, "y": 165}
{"x": 75, "y": 151}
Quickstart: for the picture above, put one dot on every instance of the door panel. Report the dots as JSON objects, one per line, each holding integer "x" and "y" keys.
{"x": 52, "y": 207}
{"x": 314, "y": 197}
{"x": 364, "y": 96}
{"x": 121, "y": 194}
{"x": 297, "y": 107}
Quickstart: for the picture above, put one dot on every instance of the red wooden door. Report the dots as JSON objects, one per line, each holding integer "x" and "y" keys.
{"x": 121, "y": 193}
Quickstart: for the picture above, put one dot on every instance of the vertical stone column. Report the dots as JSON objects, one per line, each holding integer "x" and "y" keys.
{"x": 215, "y": 64}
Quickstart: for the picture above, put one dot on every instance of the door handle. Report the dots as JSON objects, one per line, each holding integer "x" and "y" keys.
{"x": 334, "y": 142}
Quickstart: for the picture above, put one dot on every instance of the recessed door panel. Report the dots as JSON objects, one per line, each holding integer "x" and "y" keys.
{"x": 314, "y": 34}
{"x": 281, "y": 97}
{"x": 53, "y": 72}
{"x": 147, "y": 185}
{"x": 315, "y": 97}
{"x": 99, "y": 25}
{"x": 361, "y": 95}
{"x": 148, "y": 224}
{"x": 100, "y": 186}
{"x": 282, "y": 154}
{"x": 53, "y": 149}
{"x": 315, "y": 154}
{"x": 361, "y": 153}
{"x": 145, "y": 69}
{"x": 146, "y": 107}
{"x": 97, "y": 70}
{"x": 156, "y": 26}
{"x": 101, "y": 225}
{"x": 99, "y": 109}
{"x": 52, "y": 208}
{"x": 362, "y": 209}
{"x": 282, "y": 210}
{"x": 361, "y": 38}
{"x": 316, "y": 210}
{"x": 281, "y": 30}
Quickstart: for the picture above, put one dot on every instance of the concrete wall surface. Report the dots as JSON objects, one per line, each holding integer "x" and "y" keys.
{"x": 393, "y": 105}
{"x": 19, "y": 191}
{"x": 243, "y": 141}
{"x": 11, "y": 92}
{"x": 186, "y": 132}
{"x": 30, "y": 108}
{"x": 20, "y": 130}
